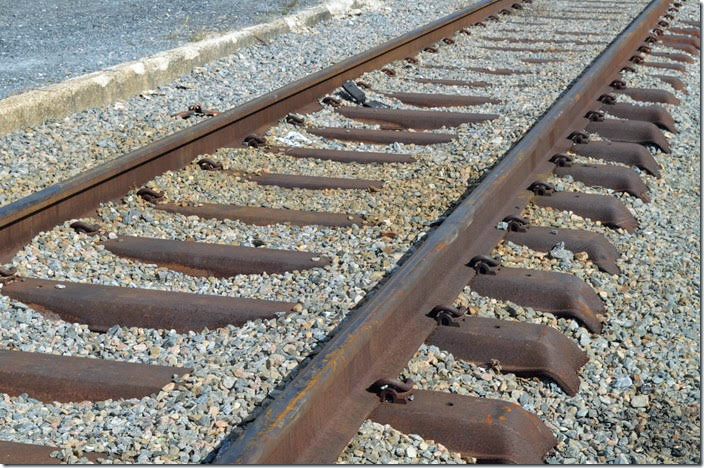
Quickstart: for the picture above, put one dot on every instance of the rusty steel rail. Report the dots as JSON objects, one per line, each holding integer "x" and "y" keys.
{"x": 22, "y": 220}
{"x": 318, "y": 412}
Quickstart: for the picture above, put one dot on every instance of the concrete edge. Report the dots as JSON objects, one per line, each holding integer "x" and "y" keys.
{"x": 128, "y": 79}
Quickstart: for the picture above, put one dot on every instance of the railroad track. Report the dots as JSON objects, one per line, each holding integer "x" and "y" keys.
{"x": 193, "y": 259}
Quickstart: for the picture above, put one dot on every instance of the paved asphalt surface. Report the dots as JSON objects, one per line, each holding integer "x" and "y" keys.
{"x": 47, "y": 41}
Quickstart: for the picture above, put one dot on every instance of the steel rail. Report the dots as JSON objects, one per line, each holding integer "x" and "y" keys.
{"x": 319, "y": 411}
{"x": 22, "y": 220}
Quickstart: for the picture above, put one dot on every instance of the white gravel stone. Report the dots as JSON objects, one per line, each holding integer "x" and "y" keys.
{"x": 640, "y": 401}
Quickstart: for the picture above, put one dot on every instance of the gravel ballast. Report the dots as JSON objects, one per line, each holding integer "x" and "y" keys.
{"x": 239, "y": 369}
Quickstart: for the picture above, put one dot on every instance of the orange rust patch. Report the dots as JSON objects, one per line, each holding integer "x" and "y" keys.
{"x": 586, "y": 309}
{"x": 331, "y": 363}
{"x": 440, "y": 246}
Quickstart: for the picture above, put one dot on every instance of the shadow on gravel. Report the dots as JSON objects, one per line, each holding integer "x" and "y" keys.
{"x": 673, "y": 433}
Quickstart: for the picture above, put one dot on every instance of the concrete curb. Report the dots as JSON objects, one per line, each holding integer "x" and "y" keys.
{"x": 128, "y": 79}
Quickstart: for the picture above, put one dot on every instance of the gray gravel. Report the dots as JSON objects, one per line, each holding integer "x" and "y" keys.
{"x": 382, "y": 444}
{"x": 45, "y": 42}
{"x": 238, "y": 369}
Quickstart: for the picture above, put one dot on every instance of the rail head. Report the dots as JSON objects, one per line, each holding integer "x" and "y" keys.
{"x": 319, "y": 411}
